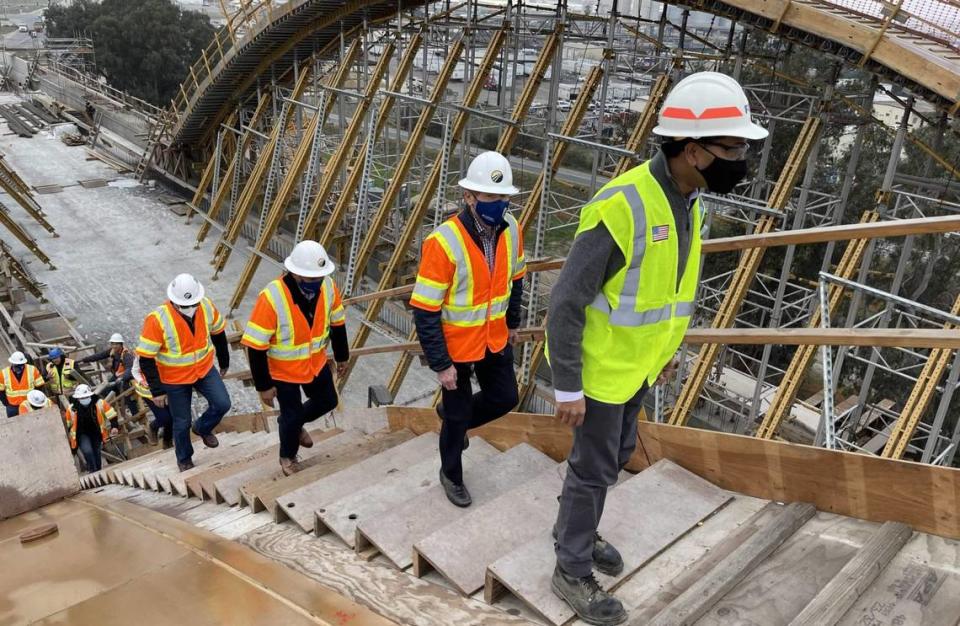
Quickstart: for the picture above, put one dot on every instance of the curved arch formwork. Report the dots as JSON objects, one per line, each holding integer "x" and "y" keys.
{"x": 358, "y": 141}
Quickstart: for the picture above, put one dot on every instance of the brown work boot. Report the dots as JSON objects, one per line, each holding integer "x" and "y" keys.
{"x": 210, "y": 440}
{"x": 185, "y": 466}
{"x": 305, "y": 439}
{"x": 289, "y": 467}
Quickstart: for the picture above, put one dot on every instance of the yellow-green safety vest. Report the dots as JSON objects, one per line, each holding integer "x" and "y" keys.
{"x": 638, "y": 320}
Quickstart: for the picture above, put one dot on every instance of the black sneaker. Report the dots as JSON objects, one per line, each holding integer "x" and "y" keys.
{"x": 584, "y": 595}
{"x": 606, "y": 558}
{"x": 457, "y": 494}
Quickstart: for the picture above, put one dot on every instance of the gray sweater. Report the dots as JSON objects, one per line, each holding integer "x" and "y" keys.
{"x": 594, "y": 258}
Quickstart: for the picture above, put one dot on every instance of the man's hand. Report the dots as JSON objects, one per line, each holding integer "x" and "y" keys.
{"x": 160, "y": 401}
{"x": 114, "y": 432}
{"x": 571, "y": 413}
{"x": 342, "y": 367}
{"x": 668, "y": 372}
{"x": 513, "y": 336}
{"x": 267, "y": 396}
{"x": 448, "y": 378}
{"x": 223, "y": 371}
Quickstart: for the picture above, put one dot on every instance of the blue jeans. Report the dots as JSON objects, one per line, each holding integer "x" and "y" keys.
{"x": 161, "y": 419}
{"x": 179, "y": 398}
{"x": 90, "y": 448}
{"x": 12, "y": 411}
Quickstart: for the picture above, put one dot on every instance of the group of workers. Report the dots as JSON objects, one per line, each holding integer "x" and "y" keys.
{"x": 618, "y": 313}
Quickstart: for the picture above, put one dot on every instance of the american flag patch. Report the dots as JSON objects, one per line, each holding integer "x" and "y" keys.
{"x": 661, "y": 233}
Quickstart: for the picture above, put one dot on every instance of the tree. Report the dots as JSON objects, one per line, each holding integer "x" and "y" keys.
{"x": 145, "y": 47}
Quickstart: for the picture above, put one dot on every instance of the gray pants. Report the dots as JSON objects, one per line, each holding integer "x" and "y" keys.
{"x": 602, "y": 445}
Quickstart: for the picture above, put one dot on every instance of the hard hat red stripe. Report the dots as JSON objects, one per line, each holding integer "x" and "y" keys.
{"x": 713, "y": 113}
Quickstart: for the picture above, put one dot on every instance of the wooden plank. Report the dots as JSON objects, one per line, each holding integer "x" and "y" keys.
{"x": 780, "y": 586}
{"x": 394, "y": 533}
{"x": 390, "y": 491}
{"x": 848, "y": 585}
{"x": 301, "y": 504}
{"x": 881, "y": 337}
{"x": 461, "y": 551}
{"x": 922, "y": 496}
{"x": 264, "y": 494}
{"x": 670, "y": 573}
{"x": 202, "y": 485}
{"x": 393, "y": 594}
{"x": 700, "y": 597}
{"x": 239, "y": 527}
{"x": 37, "y": 466}
{"x": 228, "y": 489}
{"x": 921, "y": 585}
{"x": 665, "y": 501}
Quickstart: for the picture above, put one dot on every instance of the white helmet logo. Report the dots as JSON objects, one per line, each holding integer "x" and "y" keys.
{"x": 496, "y": 176}
{"x": 187, "y": 296}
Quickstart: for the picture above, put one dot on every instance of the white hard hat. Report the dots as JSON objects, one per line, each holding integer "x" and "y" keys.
{"x": 37, "y": 399}
{"x": 309, "y": 259}
{"x": 185, "y": 290}
{"x": 707, "y": 104}
{"x": 490, "y": 172}
{"x": 116, "y": 338}
{"x": 18, "y": 358}
{"x": 82, "y": 391}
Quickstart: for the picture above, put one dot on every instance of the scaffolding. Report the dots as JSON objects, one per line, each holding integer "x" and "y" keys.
{"x": 360, "y": 144}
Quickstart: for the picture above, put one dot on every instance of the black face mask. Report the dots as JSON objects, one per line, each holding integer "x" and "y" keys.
{"x": 723, "y": 175}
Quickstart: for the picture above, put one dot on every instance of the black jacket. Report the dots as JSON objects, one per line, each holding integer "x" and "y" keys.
{"x": 428, "y": 323}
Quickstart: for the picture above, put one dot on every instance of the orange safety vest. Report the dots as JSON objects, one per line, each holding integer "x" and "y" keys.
{"x": 454, "y": 278}
{"x": 183, "y": 356}
{"x": 121, "y": 368}
{"x": 105, "y": 413}
{"x": 26, "y": 407}
{"x": 18, "y": 388}
{"x": 295, "y": 352}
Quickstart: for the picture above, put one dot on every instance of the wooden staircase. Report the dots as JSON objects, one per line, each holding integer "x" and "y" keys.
{"x": 368, "y": 507}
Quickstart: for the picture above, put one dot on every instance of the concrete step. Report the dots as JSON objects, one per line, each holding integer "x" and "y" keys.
{"x": 642, "y": 516}
{"x": 342, "y": 515}
{"x": 393, "y": 533}
{"x": 301, "y": 504}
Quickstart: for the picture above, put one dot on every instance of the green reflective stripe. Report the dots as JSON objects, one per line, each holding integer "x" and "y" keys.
{"x": 284, "y": 323}
{"x": 621, "y": 317}
{"x": 514, "y": 254}
{"x": 296, "y": 353}
{"x": 339, "y": 315}
{"x": 685, "y": 309}
{"x": 327, "y": 298}
{"x": 427, "y": 293}
{"x": 464, "y": 316}
{"x": 170, "y": 336}
{"x": 183, "y": 359}
{"x": 499, "y": 306}
{"x": 448, "y": 237}
{"x": 256, "y": 335}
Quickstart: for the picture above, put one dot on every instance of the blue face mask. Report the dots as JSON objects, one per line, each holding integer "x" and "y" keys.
{"x": 492, "y": 212}
{"x": 311, "y": 289}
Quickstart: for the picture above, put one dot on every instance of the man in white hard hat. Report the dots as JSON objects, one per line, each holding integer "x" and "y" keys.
{"x": 294, "y": 319}
{"x": 36, "y": 400}
{"x": 467, "y": 308}
{"x": 621, "y": 306}
{"x": 90, "y": 422}
{"x": 16, "y": 381}
{"x": 121, "y": 368}
{"x": 176, "y": 352}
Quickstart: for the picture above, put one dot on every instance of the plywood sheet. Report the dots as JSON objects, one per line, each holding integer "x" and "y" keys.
{"x": 343, "y": 514}
{"x": 394, "y": 533}
{"x": 662, "y": 503}
{"x": 779, "y": 588}
{"x": 228, "y": 488}
{"x": 36, "y": 467}
{"x": 921, "y": 585}
{"x": 462, "y": 550}
{"x": 301, "y": 504}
